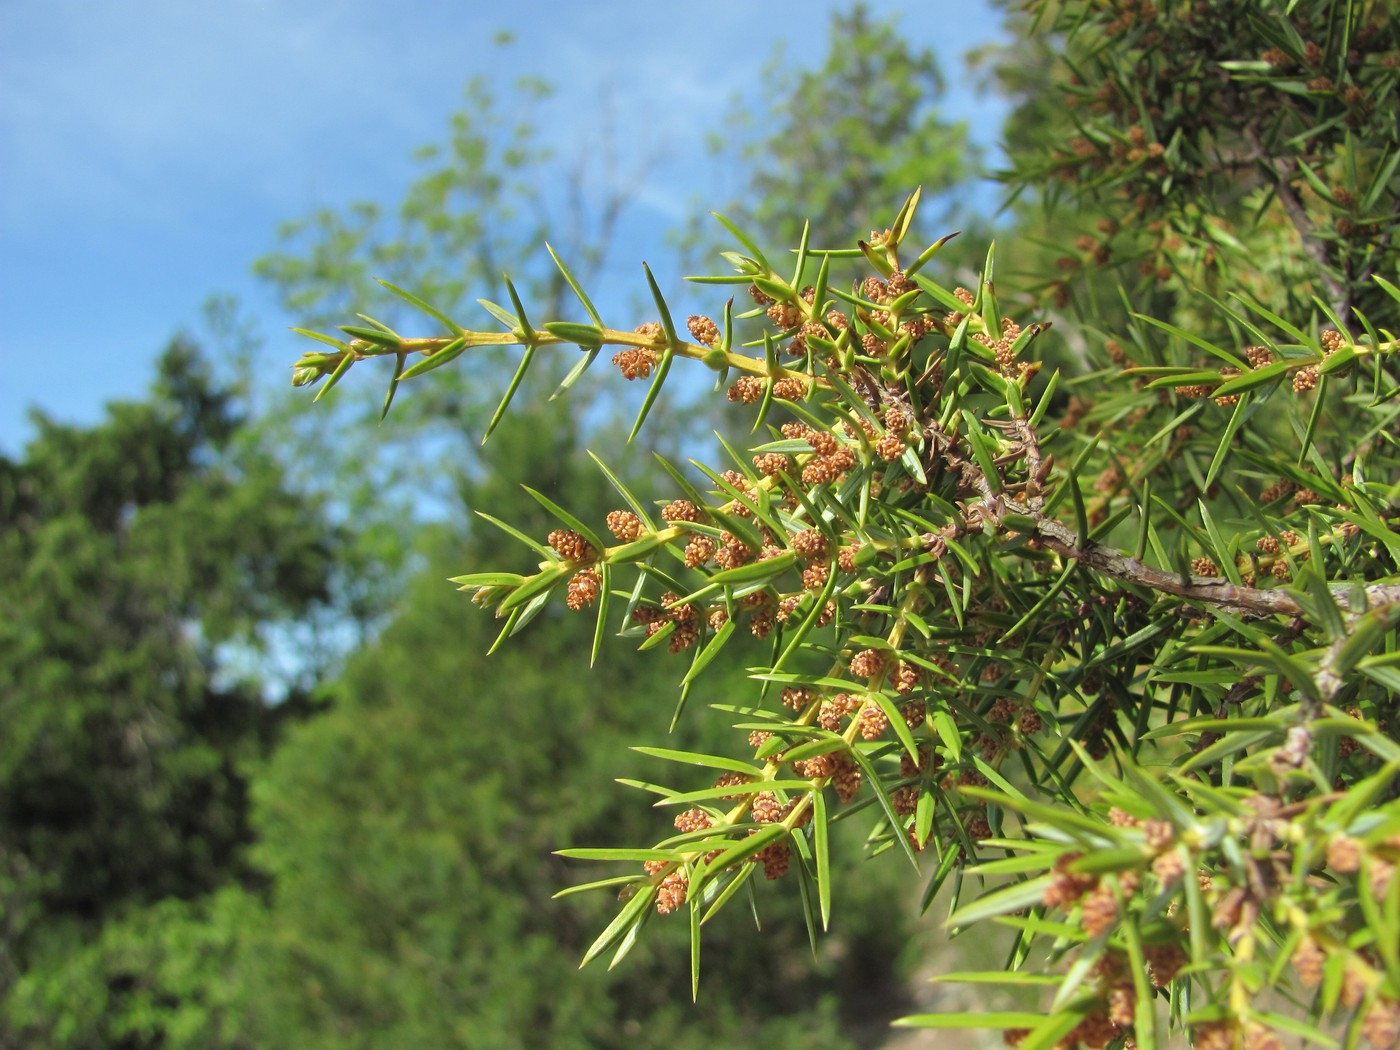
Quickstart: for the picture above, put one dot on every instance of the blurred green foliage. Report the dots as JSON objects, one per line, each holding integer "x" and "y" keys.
{"x": 146, "y": 559}
{"x": 839, "y": 143}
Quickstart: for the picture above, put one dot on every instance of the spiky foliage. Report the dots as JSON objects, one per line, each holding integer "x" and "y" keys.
{"x": 1117, "y": 667}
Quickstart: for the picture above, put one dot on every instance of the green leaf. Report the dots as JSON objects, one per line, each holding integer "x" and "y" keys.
{"x": 594, "y": 540}
{"x": 473, "y": 580}
{"x": 1081, "y": 514}
{"x": 628, "y": 919}
{"x": 373, "y": 335}
{"x": 1049, "y": 596}
{"x": 1268, "y": 654}
{"x": 1001, "y": 977}
{"x": 413, "y": 300}
{"x": 1305, "y": 445}
{"x": 747, "y": 846}
{"x": 1230, "y": 744}
{"x": 899, "y": 228}
{"x": 637, "y": 855}
{"x": 1047, "y": 397}
{"x": 958, "y": 344}
{"x": 773, "y": 287}
{"x": 1017, "y": 865}
{"x": 600, "y": 884}
{"x": 379, "y": 326}
{"x": 539, "y": 585}
{"x": 636, "y": 550}
{"x": 1389, "y": 288}
{"x": 604, "y": 605}
{"x": 712, "y": 648}
{"x": 1222, "y": 553}
{"x": 653, "y": 392}
{"x": 743, "y": 238}
{"x": 637, "y": 506}
{"x": 513, "y": 620}
{"x": 320, "y": 337}
{"x": 1227, "y": 440}
{"x": 573, "y": 284}
{"x": 948, "y": 300}
{"x": 1001, "y": 902}
{"x": 821, "y": 848}
{"x": 1320, "y": 605}
{"x": 393, "y": 384}
{"x": 737, "y": 881}
{"x": 877, "y": 787}
{"x": 1379, "y": 183}
{"x": 515, "y": 380}
{"x": 986, "y": 304}
{"x": 823, "y": 743}
{"x": 802, "y": 255}
{"x": 947, "y": 730}
{"x": 501, "y": 314}
{"x": 1311, "y": 1035}
{"x": 1190, "y": 337}
{"x": 526, "y": 330}
{"x": 440, "y": 357}
{"x": 820, "y": 289}
{"x": 1052, "y": 1029}
{"x": 1319, "y": 187}
{"x": 755, "y": 570}
{"x": 695, "y": 758}
{"x": 1281, "y": 323}
{"x": 986, "y": 1021}
{"x": 1337, "y": 361}
{"x": 794, "y": 641}
{"x": 705, "y": 794}
{"x": 1121, "y": 858}
{"x": 1363, "y": 795}
{"x": 1364, "y": 634}
{"x": 927, "y": 255}
{"x": 667, "y": 325}
{"x": 981, "y": 449}
{"x": 529, "y": 541}
{"x": 1255, "y": 377}
{"x": 694, "y": 911}
{"x": 1177, "y": 376}
{"x": 1061, "y": 817}
{"x": 585, "y": 335}
{"x": 582, "y": 365}
{"x": 335, "y": 377}
{"x": 721, "y": 278}
{"x": 897, "y": 723}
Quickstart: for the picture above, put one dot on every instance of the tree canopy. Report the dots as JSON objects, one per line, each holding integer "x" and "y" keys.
{"x": 143, "y": 555}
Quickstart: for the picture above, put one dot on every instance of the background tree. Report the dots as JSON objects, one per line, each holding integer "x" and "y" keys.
{"x": 1142, "y": 699}
{"x": 842, "y": 141}
{"x": 141, "y": 556}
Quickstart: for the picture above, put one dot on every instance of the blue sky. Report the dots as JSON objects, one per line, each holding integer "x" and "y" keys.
{"x": 149, "y": 149}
